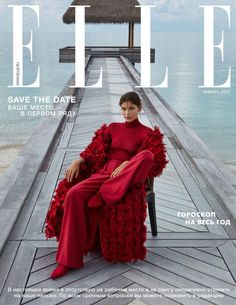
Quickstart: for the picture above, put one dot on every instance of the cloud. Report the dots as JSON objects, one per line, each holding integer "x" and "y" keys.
{"x": 186, "y": 13}
{"x": 47, "y": 7}
{"x": 173, "y": 10}
{"x": 50, "y": 13}
{"x": 170, "y": 5}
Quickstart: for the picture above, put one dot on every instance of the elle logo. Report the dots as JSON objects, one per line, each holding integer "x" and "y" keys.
{"x": 209, "y": 48}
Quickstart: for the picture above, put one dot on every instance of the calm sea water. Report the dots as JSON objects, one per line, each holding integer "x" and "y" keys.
{"x": 212, "y": 116}
{"x": 53, "y": 77}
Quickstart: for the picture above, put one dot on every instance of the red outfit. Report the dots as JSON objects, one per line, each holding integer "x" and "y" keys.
{"x": 117, "y": 227}
{"x": 125, "y": 139}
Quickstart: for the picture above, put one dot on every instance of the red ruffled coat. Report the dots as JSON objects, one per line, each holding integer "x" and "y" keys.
{"x": 122, "y": 226}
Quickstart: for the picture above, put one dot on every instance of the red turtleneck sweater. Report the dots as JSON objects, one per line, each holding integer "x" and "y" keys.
{"x": 126, "y": 139}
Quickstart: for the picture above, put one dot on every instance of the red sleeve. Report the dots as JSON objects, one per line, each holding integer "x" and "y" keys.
{"x": 95, "y": 153}
{"x": 154, "y": 143}
{"x": 107, "y": 138}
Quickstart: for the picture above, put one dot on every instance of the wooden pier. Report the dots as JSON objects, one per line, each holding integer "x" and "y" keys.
{"x": 133, "y": 54}
{"x": 182, "y": 256}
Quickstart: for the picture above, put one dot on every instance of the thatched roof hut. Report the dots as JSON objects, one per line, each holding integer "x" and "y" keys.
{"x": 107, "y": 11}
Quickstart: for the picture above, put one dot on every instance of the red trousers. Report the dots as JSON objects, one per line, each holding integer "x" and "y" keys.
{"x": 80, "y": 223}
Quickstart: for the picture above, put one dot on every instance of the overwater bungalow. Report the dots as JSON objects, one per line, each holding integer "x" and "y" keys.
{"x": 107, "y": 12}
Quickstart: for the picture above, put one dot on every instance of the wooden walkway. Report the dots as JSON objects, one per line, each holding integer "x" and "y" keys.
{"x": 185, "y": 263}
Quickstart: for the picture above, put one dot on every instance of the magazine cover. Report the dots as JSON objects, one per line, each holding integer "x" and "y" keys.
{"x": 117, "y": 152}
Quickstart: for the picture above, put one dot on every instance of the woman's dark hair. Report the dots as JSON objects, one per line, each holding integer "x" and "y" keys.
{"x": 131, "y": 96}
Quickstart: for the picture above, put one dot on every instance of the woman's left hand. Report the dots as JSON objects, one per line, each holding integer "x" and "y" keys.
{"x": 118, "y": 169}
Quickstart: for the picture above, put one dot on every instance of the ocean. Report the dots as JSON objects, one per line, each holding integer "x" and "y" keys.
{"x": 211, "y": 114}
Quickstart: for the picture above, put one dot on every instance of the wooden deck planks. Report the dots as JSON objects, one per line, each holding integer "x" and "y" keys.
{"x": 25, "y": 216}
{"x": 212, "y": 251}
{"x": 37, "y": 218}
{"x": 6, "y": 261}
{"x": 94, "y": 278}
{"x": 190, "y": 273}
{"x": 228, "y": 251}
{"x": 152, "y": 282}
{"x": 169, "y": 279}
{"x": 43, "y": 251}
{"x": 118, "y": 282}
{"x": 180, "y": 256}
{"x": 195, "y": 263}
{"x": 203, "y": 256}
{"x": 143, "y": 297}
{"x": 18, "y": 275}
{"x": 181, "y": 242}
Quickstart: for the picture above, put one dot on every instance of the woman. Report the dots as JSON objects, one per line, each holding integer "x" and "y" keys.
{"x": 110, "y": 181}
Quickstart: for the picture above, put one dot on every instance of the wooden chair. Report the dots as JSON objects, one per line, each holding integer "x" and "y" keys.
{"x": 150, "y": 198}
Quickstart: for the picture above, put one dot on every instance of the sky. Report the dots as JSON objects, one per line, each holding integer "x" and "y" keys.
{"x": 186, "y": 15}
{"x": 168, "y": 15}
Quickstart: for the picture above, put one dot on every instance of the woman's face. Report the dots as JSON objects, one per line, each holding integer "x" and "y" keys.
{"x": 130, "y": 111}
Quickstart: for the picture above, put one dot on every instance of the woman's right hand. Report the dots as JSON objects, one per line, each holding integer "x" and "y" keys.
{"x": 73, "y": 170}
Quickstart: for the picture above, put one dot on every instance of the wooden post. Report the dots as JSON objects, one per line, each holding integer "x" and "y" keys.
{"x": 131, "y": 35}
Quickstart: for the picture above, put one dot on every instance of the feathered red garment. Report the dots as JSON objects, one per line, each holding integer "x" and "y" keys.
{"x": 121, "y": 226}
